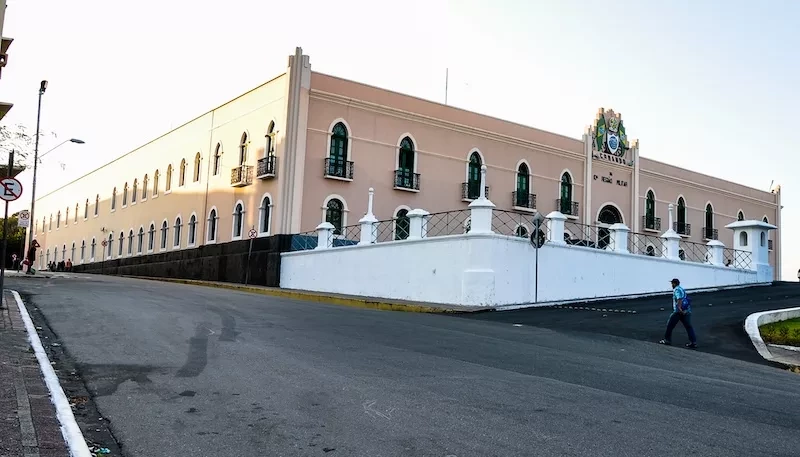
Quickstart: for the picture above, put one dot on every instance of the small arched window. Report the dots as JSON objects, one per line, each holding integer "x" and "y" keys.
{"x": 58, "y": 220}
{"x": 265, "y": 211}
{"x": 522, "y": 195}
{"x": 164, "y": 233}
{"x": 196, "y": 174}
{"x": 269, "y": 148}
{"x": 337, "y": 165}
{"x": 763, "y": 239}
{"x": 182, "y": 175}
{"x": 334, "y": 214}
{"x": 109, "y": 249}
{"x": 114, "y": 199}
{"x": 155, "y": 183}
{"x": 566, "y": 206}
{"x": 650, "y": 211}
{"x": 130, "y": 242}
{"x": 402, "y": 225}
{"x": 405, "y": 177}
{"x": 140, "y": 244}
{"x": 97, "y": 205}
{"x": 151, "y": 237}
{"x": 192, "y": 230}
{"x": 681, "y": 226}
{"x": 217, "y": 158}
{"x": 521, "y": 231}
{"x": 76, "y": 215}
{"x": 134, "y": 190}
{"x": 169, "y": 178}
{"x": 83, "y": 250}
{"x": 238, "y": 220}
{"x": 125, "y": 195}
{"x": 93, "y": 249}
{"x": 86, "y": 209}
{"x": 740, "y": 216}
{"x": 709, "y": 232}
{"x": 121, "y": 243}
{"x": 212, "y": 225}
{"x": 473, "y": 189}
{"x": 743, "y": 239}
{"x": 243, "y": 148}
{"x": 145, "y": 182}
{"x": 178, "y": 229}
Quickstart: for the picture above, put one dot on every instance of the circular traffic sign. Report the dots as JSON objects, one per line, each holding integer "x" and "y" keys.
{"x": 104, "y": 243}
{"x": 24, "y": 214}
{"x": 252, "y": 234}
{"x": 10, "y": 189}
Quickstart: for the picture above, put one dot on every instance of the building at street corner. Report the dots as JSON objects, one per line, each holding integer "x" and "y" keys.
{"x": 305, "y": 147}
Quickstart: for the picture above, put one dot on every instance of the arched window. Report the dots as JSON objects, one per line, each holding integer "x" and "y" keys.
{"x": 265, "y": 211}
{"x": 130, "y": 243}
{"x": 72, "y": 252}
{"x": 238, "y": 220}
{"x": 608, "y": 216}
{"x": 109, "y": 248}
{"x": 405, "y": 178}
{"x": 58, "y": 220}
{"x": 76, "y": 215}
{"x": 521, "y": 231}
{"x": 83, "y": 250}
{"x": 650, "y": 211}
{"x": 97, "y": 205}
{"x": 269, "y": 147}
{"x": 336, "y": 163}
{"x": 125, "y": 195}
{"x": 196, "y": 174}
{"x": 763, "y": 239}
{"x": 169, "y": 178}
{"x": 182, "y": 175}
{"x": 743, "y": 239}
{"x": 155, "y": 183}
{"x": 522, "y": 194}
{"x": 66, "y": 217}
{"x": 212, "y": 225}
{"x": 334, "y": 213}
{"x": 114, "y": 199}
{"x": 164, "y": 233}
{"x": 566, "y": 206}
{"x": 121, "y": 243}
{"x": 64, "y": 252}
{"x": 48, "y": 256}
{"x": 650, "y": 250}
{"x": 243, "y": 148}
{"x": 178, "y": 228}
{"x": 151, "y": 238}
{"x": 134, "y": 190}
{"x": 740, "y": 216}
{"x": 86, "y": 210}
{"x": 50, "y": 225}
{"x": 217, "y": 158}
{"x": 94, "y": 249}
{"x": 765, "y": 220}
{"x": 140, "y": 244}
{"x": 145, "y": 182}
{"x": 709, "y": 232}
{"x": 192, "y": 229}
{"x": 473, "y": 185}
{"x": 402, "y": 225}
{"x": 680, "y": 225}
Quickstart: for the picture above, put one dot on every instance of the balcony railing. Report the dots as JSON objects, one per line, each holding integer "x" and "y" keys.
{"x": 337, "y": 168}
{"x": 523, "y": 200}
{"x": 405, "y": 179}
{"x": 266, "y": 167}
{"x": 769, "y": 244}
{"x": 651, "y": 223}
{"x": 242, "y": 176}
{"x": 682, "y": 228}
{"x": 567, "y": 208}
{"x": 710, "y": 233}
{"x": 471, "y": 190}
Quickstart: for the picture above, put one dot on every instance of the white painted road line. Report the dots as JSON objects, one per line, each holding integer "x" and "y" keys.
{"x": 69, "y": 427}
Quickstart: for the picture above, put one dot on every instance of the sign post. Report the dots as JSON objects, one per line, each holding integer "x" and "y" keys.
{"x": 103, "y": 262}
{"x": 10, "y": 190}
{"x": 252, "y": 235}
{"x": 537, "y": 242}
{"x": 24, "y": 218}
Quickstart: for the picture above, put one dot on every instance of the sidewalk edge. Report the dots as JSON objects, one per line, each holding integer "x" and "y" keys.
{"x": 69, "y": 426}
{"x": 317, "y": 297}
{"x": 751, "y": 327}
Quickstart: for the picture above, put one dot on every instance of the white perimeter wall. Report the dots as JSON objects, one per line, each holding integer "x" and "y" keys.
{"x": 502, "y": 267}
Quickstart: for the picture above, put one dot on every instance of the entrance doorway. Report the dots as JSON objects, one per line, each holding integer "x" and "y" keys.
{"x": 608, "y": 216}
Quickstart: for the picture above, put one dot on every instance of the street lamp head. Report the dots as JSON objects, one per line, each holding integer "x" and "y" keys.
{"x": 42, "y": 87}
{"x": 75, "y": 140}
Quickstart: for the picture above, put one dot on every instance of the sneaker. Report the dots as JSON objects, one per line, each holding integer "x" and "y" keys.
{"x": 691, "y": 345}
{"x": 665, "y": 342}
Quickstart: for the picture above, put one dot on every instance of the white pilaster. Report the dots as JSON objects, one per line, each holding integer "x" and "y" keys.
{"x": 555, "y": 228}
{"x": 417, "y": 224}
{"x": 369, "y": 232}
{"x": 671, "y": 239}
{"x": 481, "y": 209}
{"x": 716, "y": 253}
{"x": 619, "y": 238}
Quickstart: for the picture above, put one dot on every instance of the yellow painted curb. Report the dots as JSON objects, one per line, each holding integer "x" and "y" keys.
{"x": 309, "y": 296}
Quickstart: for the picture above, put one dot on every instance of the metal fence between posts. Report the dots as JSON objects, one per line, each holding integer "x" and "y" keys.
{"x": 737, "y": 258}
{"x": 447, "y": 223}
{"x": 511, "y": 223}
{"x": 644, "y": 244}
{"x": 589, "y": 236}
{"x": 349, "y": 236}
{"x": 693, "y": 252}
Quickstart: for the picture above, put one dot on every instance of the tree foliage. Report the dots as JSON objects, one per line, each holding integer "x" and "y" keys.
{"x": 17, "y": 138}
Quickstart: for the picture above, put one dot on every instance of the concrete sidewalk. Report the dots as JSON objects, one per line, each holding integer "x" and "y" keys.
{"x": 28, "y": 424}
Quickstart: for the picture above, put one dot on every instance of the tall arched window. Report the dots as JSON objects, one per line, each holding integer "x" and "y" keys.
{"x": 192, "y": 230}
{"x": 709, "y": 232}
{"x": 125, "y": 195}
{"x": 164, "y": 233}
{"x": 58, "y": 220}
{"x": 405, "y": 178}
{"x": 93, "y": 249}
{"x": 151, "y": 238}
{"x": 269, "y": 147}
{"x": 72, "y": 252}
{"x": 337, "y": 165}
{"x": 97, "y": 205}
{"x": 217, "y": 158}
{"x": 110, "y": 247}
{"x": 86, "y": 209}
{"x": 130, "y": 242}
{"x": 740, "y": 216}
{"x": 178, "y": 229}
{"x": 334, "y": 213}
{"x": 76, "y": 215}
{"x": 83, "y": 250}
{"x": 243, "y": 148}
{"x": 121, "y": 243}
{"x": 66, "y": 217}
{"x": 134, "y": 190}
{"x": 212, "y": 225}
{"x": 155, "y": 183}
{"x": 182, "y": 175}
{"x": 265, "y": 211}
{"x": 566, "y": 206}
{"x": 473, "y": 184}
{"x": 680, "y": 225}
{"x": 238, "y": 220}
{"x": 402, "y": 225}
{"x": 196, "y": 174}
{"x": 650, "y": 211}
{"x": 522, "y": 194}
{"x": 140, "y": 244}
{"x": 169, "y": 178}
{"x": 114, "y": 199}
{"x": 145, "y": 182}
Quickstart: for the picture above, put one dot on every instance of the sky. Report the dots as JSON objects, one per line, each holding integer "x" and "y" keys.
{"x": 705, "y": 85}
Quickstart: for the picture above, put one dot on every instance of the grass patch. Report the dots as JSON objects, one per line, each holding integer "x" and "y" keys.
{"x": 783, "y": 332}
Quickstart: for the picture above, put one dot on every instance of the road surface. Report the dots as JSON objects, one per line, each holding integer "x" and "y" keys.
{"x": 189, "y": 370}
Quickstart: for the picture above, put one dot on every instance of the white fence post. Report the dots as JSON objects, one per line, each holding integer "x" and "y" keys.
{"x": 481, "y": 209}
{"x": 671, "y": 239}
{"x": 324, "y": 235}
{"x": 369, "y": 232}
{"x": 417, "y": 224}
{"x": 555, "y": 228}
{"x": 619, "y": 237}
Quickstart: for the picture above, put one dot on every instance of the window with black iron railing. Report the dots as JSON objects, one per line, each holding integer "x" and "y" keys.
{"x": 338, "y": 168}
{"x": 266, "y": 166}
{"x": 472, "y": 189}
{"x": 682, "y": 228}
{"x": 406, "y": 179}
{"x": 651, "y": 223}
{"x": 710, "y": 233}
{"x": 567, "y": 207}
{"x": 242, "y": 175}
{"x": 523, "y": 200}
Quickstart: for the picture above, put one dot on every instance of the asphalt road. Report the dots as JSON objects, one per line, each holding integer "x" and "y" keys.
{"x": 188, "y": 370}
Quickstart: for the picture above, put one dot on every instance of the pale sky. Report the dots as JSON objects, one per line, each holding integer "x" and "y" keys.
{"x": 706, "y": 85}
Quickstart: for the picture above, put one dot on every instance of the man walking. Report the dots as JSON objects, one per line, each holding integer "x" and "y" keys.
{"x": 681, "y": 312}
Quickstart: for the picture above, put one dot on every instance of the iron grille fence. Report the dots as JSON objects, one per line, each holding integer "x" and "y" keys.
{"x": 736, "y": 258}
{"x": 644, "y": 244}
{"x": 338, "y": 168}
{"x": 710, "y": 233}
{"x": 682, "y": 228}
{"x": 304, "y": 241}
{"x": 391, "y": 229}
{"x": 523, "y": 200}
{"x": 406, "y": 179}
{"x": 471, "y": 190}
{"x": 510, "y": 223}
{"x": 567, "y": 208}
{"x": 448, "y": 223}
{"x": 651, "y": 223}
{"x": 693, "y": 252}
{"x": 589, "y": 236}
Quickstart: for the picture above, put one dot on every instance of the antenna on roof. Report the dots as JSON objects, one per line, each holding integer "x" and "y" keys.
{"x": 770, "y": 184}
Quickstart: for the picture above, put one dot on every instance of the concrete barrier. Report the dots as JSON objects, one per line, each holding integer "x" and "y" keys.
{"x": 754, "y": 321}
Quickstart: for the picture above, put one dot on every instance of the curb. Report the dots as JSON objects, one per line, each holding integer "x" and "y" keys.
{"x": 317, "y": 298}
{"x": 751, "y": 325}
{"x": 69, "y": 427}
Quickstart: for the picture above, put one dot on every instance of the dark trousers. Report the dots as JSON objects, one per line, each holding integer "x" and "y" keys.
{"x": 686, "y": 319}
